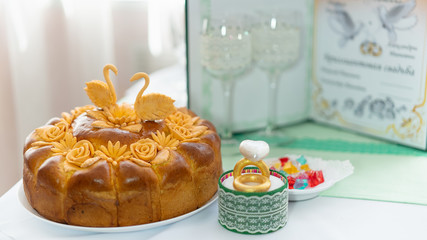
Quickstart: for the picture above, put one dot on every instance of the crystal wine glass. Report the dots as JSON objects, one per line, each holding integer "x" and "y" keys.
{"x": 277, "y": 47}
{"x": 226, "y": 54}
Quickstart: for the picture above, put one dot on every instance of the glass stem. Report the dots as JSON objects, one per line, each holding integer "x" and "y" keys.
{"x": 227, "y": 87}
{"x": 273, "y": 79}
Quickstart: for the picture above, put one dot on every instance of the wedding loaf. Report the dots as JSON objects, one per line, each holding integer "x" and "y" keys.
{"x": 107, "y": 165}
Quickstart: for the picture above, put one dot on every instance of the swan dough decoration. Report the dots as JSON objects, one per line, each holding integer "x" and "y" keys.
{"x": 149, "y": 107}
{"x": 152, "y": 106}
{"x": 100, "y": 93}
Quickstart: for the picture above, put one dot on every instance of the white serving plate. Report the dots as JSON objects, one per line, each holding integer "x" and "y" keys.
{"x": 333, "y": 172}
{"x": 23, "y": 200}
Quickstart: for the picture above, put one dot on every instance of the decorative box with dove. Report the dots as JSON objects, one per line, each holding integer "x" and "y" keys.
{"x": 110, "y": 164}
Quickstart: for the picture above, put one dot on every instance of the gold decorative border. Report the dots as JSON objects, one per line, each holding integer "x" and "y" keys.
{"x": 407, "y": 123}
{"x": 322, "y": 106}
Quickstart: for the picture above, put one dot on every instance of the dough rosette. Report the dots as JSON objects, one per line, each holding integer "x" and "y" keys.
{"x": 52, "y": 133}
{"x": 181, "y": 119}
{"x": 143, "y": 151}
{"x": 186, "y": 134}
{"x": 81, "y": 154}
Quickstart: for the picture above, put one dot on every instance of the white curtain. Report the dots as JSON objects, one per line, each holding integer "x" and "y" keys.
{"x": 50, "y": 48}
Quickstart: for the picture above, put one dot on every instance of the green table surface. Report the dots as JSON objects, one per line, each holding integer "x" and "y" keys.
{"x": 383, "y": 171}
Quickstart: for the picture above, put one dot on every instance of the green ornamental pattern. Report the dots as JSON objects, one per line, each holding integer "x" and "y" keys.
{"x": 253, "y": 214}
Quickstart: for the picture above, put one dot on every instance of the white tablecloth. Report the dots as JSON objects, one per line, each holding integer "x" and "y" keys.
{"x": 318, "y": 218}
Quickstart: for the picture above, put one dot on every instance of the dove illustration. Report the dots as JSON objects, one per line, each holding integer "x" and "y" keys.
{"x": 343, "y": 24}
{"x": 397, "y": 17}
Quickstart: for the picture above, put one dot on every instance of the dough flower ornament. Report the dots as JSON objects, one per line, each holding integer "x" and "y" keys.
{"x": 181, "y": 119}
{"x": 182, "y": 127}
{"x": 186, "y": 134}
{"x": 82, "y": 154}
{"x": 165, "y": 142}
{"x": 113, "y": 153}
{"x": 143, "y": 152}
{"x": 79, "y": 153}
{"x": 52, "y": 133}
{"x": 69, "y": 117}
{"x": 103, "y": 95}
{"x": 67, "y": 144}
{"x": 122, "y": 117}
{"x": 64, "y": 145}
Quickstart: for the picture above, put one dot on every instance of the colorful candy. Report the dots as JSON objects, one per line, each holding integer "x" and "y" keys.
{"x": 300, "y": 183}
{"x": 290, "y": 168}
{"x": 302, "y": 160}
{"x": 299, "y": 173}
{"x": 291, "y": 181}
{"x": 284, "y": 160}
{"x": 315, "y": 178}
{"x": 305, "y": 167}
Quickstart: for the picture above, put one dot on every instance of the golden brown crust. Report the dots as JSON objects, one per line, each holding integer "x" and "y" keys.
{"x": 31, "y": 138}
{"x": 177, "y": 194}
{"x": 34, "y": 157}
{"x": 91, "y": 197}
{"x": 208, "y": 124}
{"x": 50, "y": 189}
{"x": 82, "y": 129}
{"x": 119, "y": 190}
{"x": 151, "y": 127}
{"x": 199, "y": 154}
{"x": 138, "y": 194}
